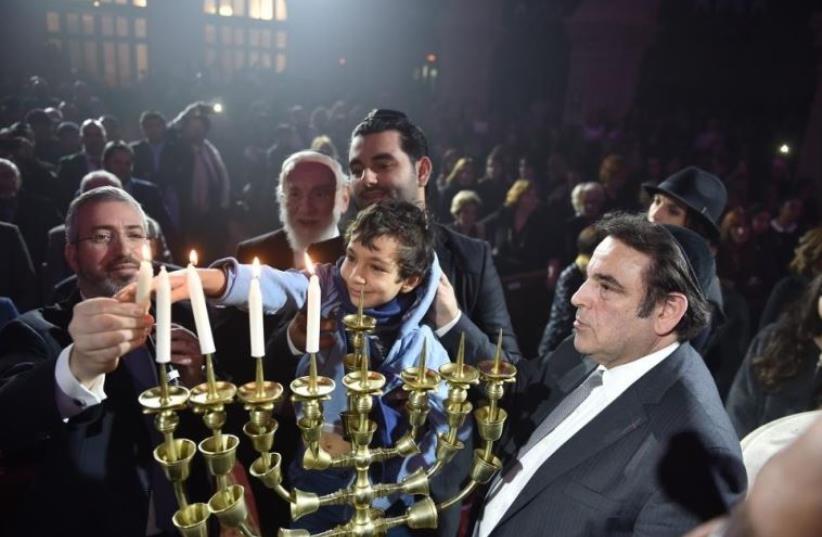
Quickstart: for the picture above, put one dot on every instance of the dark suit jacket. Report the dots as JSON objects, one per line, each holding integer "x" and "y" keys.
{"x": 81, "y": 476}
{"x": 603, "y": 480}
{"x": 751, "y": 405}
{"x": 17, "y": 280}
{"x": 467, "y": 263}
{"x": 70, "y": 172}
{"x": 271, "y": 248}
{"x": 144, "y": 160}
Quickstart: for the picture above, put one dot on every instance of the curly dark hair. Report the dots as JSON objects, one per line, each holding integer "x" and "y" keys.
{"x": 792, "y": 340}
{"x": 402, "y": 221}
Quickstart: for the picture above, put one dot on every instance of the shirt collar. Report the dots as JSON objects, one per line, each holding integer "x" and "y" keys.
{"x": 627, "y": 374}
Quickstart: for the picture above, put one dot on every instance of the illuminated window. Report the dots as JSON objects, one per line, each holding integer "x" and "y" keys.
{"x": 265, "y": 10}
{"x": 282, "y": 11}
{"x": 53, "y": 22}
{"x": 239, "y": 35}
{"x": 104, "y": 39}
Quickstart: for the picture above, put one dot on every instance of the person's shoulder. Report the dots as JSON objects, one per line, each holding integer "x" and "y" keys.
{"x": 277, "y": 235}
{"x": 145, "y": 185}
{"x": 461, "y": 242}
{"x": 68, "y": 160}
{"x": 8, "y": 229}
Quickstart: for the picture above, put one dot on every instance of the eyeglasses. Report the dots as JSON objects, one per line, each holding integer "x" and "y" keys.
{"x": 104, "y": 237}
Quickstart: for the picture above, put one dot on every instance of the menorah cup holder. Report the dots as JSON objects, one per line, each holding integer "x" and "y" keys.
{"x": 260, "y": 398}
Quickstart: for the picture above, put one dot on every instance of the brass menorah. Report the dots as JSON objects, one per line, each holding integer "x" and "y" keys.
{"x": 361, "y": 384}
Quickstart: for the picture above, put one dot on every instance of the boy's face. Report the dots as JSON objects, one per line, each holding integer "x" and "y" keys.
{"x": 375, "y": 269}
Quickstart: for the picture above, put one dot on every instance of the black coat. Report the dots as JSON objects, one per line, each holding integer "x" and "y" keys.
{"x": 70, "y": 171}
{"x": 83, "y": 475}
{"x": 603, "y": 480}
{"x": 750, "y": 405}
{"x": 17, "y": 280}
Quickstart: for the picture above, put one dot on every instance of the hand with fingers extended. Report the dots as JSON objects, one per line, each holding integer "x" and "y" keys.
{"x": 297, "y": 330}
{"x": 103, "y": 330}
{"x": 213, "y": 281}
{"x": 185, "y": 354}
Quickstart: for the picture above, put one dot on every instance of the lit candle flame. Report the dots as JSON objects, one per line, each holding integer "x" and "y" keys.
{"x": 309, "y": 266}
{"x": 146, "y": 252}
{"x": 192, "y": 257}
{"x": 255, "y": 268}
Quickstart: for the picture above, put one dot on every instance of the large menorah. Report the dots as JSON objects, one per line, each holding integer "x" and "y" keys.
{"x": 261, "y": 397}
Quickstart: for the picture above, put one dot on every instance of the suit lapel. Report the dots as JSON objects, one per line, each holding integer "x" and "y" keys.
{"x": 622, "y": 417}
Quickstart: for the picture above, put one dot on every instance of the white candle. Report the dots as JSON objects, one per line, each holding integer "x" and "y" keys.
{"x": 255, "y": 313}
{"x": 312, "y": 336}
{"x": 198, "y": 306}
{"x": 144, "y": 276}
{"x": 163, "y": 310}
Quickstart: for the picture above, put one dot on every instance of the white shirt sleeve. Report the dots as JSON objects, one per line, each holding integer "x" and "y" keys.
{"x": 293, "y": 348}
{"x": 71, "y": 396}
{"x": 442, "y": 330}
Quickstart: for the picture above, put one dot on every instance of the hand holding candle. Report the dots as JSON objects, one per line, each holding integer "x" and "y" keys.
{"x": 255, "y": 313}
{"x": 143, "y": 295}
{"x": 312, "y": 338}
{"x": 198, "y": 306}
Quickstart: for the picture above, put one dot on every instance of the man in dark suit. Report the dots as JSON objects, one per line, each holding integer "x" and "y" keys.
{"x": 118, "y": 158}
{"x": 70, "y": 374}
{"x": 17, "y": 280}
{"x": 590, "y": 422}
{"x": 72, "y": 168}
{"x": 388, "y": 159}
{"x": 148, "y": 152}
{"x": 313, "y": 194}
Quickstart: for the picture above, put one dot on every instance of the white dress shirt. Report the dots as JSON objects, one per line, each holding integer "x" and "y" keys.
{"x": 615, "y": 381}
{"x": 71, "y": 396}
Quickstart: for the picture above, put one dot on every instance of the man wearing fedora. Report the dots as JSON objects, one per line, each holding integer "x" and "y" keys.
{"x": 695, "y": 199}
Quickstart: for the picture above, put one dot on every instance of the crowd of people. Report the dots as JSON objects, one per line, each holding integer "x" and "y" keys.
{"x": 663, "y": 264}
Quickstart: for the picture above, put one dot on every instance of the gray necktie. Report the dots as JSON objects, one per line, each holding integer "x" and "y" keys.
{"x": 551, "y": 421}
{"x": 557, "y": 416}
{"x": 563, "y": 409}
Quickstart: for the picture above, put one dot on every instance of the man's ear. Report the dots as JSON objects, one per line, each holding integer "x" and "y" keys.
{"x": 70, "y": 253}
{"x": 410, "y": 283}
{"x": 344, "y": 198}
{"x": 424, "y": 168}
{"x": 669, "y": 313}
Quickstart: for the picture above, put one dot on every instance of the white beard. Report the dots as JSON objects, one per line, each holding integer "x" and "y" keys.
{"x": 300, "y": 240}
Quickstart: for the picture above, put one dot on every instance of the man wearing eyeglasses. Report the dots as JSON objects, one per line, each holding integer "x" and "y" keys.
{"x": 70, "y": 374}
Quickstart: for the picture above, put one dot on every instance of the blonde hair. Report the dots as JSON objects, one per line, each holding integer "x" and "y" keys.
{"x": 463, "y": 198}
{"x": 808, "y": 254}
{"x": 459, "y": 167}
{"x": 517, "y": 190}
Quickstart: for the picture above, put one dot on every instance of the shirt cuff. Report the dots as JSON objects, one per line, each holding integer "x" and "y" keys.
{"x": 71, "y": 396}
{"x": 293, "y": 348}
{"x": 444, "y": 329}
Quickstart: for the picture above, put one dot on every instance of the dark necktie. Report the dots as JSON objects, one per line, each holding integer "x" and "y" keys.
{"x": 564, "y": 409}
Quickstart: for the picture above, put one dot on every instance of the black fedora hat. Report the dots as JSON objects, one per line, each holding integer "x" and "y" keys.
{"x": 703, "y": 193}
